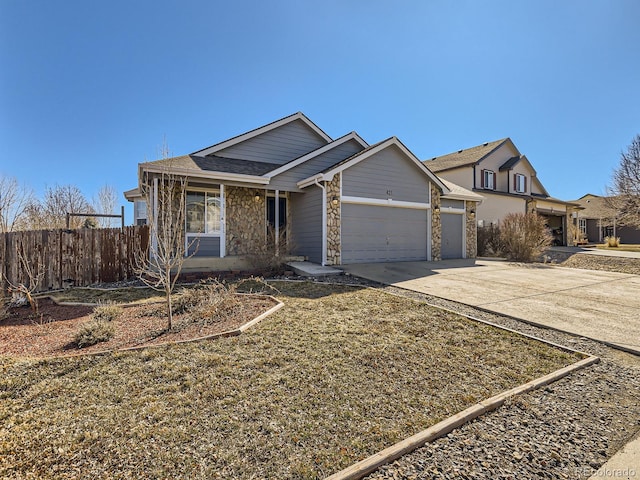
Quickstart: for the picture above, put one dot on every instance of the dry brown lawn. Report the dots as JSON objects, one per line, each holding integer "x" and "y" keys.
{"x": 336, "y": 375}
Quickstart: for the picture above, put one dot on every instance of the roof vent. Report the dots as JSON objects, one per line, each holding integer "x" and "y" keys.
{"x": 459, "y": 151}
{"x": 485, "y": 144}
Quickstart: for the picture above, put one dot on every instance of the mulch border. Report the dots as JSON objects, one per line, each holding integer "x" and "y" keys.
{"x": 228, "y": 333}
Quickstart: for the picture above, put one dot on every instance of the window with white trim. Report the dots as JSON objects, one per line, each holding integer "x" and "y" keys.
{"x": 520, "y": 183}
{"x": 488, "y": 179}
{"x": 140, "y": 212}
{"x": 582, "y": 222}
{"x": 203, "y": 212}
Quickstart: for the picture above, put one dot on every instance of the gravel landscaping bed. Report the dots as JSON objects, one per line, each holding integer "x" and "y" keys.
{"x": 566, "y": 430}
{"x": 596, "y": 262}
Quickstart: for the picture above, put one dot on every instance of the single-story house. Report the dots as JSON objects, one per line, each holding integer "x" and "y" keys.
{"x": 508, "y": 183}
{"x": 597, "y": 220}
{"x": 338, "y": 201}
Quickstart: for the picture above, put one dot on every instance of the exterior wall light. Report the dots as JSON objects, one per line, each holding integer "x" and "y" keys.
{"x": 436, "y": 209}
{"x": 334, "y": 200}
{"x": 472, "y": 213}
{"x": 257, "y": 197}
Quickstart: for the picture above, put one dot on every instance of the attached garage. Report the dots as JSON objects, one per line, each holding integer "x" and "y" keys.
{"x": 373, "y": 233}
{"x": 377, "y": 207}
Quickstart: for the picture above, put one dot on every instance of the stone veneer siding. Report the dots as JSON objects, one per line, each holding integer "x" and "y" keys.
{"x": 333, "y": 222}
{"x": 472, "y": 230}
{"x": 436, "y": 226}
{"x": 245, "y": 220}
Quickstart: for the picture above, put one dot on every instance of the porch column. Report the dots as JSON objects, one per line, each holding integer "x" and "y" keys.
{"x": 223, "y": 223}
{"x": 277, "y": 220}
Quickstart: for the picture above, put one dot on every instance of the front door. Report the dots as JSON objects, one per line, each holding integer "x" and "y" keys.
{"x": 282, "y": 215}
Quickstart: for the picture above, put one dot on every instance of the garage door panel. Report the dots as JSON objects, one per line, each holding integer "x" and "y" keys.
{"x": 451, "y": 235}
{"x": 380, "y": 234}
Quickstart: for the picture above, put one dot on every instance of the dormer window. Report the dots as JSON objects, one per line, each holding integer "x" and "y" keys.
{"x": 488, "y": 180}
{"x": 519, "y": 183}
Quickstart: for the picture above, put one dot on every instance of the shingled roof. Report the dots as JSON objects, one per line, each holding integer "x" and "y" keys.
{"x": 595, "y": 206}
{"x": 462, "y": 158}
{"x": 213, "y": 163}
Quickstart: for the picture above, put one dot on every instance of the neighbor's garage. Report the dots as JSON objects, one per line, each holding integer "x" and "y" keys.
{"x": 373, "y": 233}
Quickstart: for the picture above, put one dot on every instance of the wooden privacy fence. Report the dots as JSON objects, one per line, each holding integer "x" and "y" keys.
{"x": 71, "y": 257}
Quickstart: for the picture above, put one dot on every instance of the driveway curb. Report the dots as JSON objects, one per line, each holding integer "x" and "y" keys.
{"x": 372, "y": 463}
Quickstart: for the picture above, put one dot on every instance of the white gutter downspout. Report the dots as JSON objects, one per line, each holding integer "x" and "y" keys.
{"x": 324, "y": 222}
{"x": 154, "y": 233}
{"x": 277, "y": 221}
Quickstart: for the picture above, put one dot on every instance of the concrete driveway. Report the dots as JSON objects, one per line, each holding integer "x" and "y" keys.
{"x": 601, "y": 305}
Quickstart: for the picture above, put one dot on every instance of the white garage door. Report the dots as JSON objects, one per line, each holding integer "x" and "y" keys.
{"x": 383, "y": 234}
{"x": 451, "y": 235}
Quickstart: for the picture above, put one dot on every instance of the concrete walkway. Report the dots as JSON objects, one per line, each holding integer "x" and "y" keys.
{"x": 596, "y": 304}
{"x": 623, "y": 465}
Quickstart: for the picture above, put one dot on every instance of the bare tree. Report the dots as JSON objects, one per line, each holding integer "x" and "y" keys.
{"x": 60, "y": 200}
{"x": 160, "y": 266}
{"x": 105, "y": 201}
{"x": 14, "y": 200}
{"x": 624, "y": 193}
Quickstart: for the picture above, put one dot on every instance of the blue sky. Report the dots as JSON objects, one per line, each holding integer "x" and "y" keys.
{"x": 88, "y": 89}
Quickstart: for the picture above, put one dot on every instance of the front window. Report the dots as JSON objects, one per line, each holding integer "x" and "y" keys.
{"x": 203, "y": 212}
{"x": 521, "y": 183}
{"x": 488, "y": 180}
{"x": 583, "y": 226}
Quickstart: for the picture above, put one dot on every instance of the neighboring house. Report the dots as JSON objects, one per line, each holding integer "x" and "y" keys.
{"x": 337, "y": 201}
{"x": 509, "y": 184}
{"x": 597, "y": 220}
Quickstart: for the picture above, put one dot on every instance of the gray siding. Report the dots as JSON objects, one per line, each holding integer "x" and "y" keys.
{"x": 388, "y": 170}
{"x": 287, "y": 180}
{"x": 205, "y": 247}
{"x": 306, "y": 223}
{"x": 277, "y": 146}
{"x": 383, "y": 234}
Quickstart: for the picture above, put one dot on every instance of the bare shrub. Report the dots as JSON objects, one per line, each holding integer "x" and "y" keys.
{"x": 489, "y": 243}
{"x": 23, "y": 293}
{"x": 209, "y": 301}
{"x": 94, "y": 331}
{"x": 271, "y": 255}
{"x": 524, "y": 236}
{"x": 106, "y": 312}
{"x": 612, "y": 242}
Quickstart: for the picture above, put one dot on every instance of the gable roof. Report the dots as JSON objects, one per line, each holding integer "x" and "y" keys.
{"x": 456, "y": 192}
{"x": 595, "y": 206}
{"x": 509, "y": 164}
{"x": 327, "y": 174}
{"x": 260, "y": 130}
{"x": 318, "y": 151}
{"x": 465, "y": 157}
